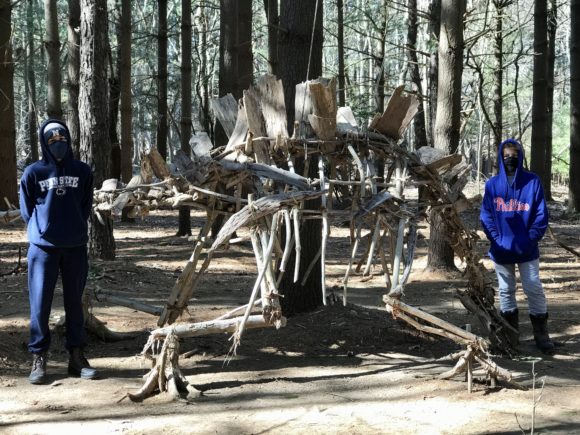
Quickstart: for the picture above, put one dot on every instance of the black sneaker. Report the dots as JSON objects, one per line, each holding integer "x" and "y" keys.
{"x": 38, "y": 372}
{"x": 79, "y": 366}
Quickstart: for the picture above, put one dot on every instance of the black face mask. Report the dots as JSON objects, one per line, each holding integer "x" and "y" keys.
{"x": 58, "y": 149}
{"x": 511, "y": 164}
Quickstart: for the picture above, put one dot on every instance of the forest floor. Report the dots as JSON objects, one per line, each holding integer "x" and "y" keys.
{"x": 338, "y": 369}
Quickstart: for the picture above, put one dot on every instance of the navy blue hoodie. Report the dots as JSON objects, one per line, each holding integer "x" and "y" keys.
{"x": 514, "y": 215}
{"x": 56, "y": 197}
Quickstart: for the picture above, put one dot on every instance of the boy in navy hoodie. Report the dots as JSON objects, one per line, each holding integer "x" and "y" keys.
{"x": 56, "y": 196}
{"x": 514, "y": 217}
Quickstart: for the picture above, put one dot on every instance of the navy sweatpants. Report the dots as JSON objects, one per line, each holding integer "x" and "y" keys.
{"x": 44, "y": 265}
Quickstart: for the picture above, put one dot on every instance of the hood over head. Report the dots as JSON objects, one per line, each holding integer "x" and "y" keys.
{"x": 500, "y": 164}
{"x": 48, "y": 129}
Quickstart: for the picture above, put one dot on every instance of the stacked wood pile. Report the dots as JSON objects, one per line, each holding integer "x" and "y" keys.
{"x": 260, "y": 189}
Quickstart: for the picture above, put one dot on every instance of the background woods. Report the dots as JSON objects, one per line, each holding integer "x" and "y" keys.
{"x": 145, "y": 77}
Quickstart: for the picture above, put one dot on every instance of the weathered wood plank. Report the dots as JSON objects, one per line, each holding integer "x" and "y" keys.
{"x": 271, "y": 94}
{"x": 323, "y": 116}
{"x": 256, "y": 126}
{"x": 226, "y": 110}
{"x": 399, "y": 112}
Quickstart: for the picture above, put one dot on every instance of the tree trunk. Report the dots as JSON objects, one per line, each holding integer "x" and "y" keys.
{"x": 162, "y": 79}
{"x": 378, "y": 60}
{"x": 125, "y": 83}
{"x": 340, "y": 49}
{"x": 185, "y": 123}
{"x": 498, "y": 73}
{"x": 419, "y": 120}
{"x": 114, "y": 95}
{"x": 236, "y": 64}
{"x": 551, "y": 59}
{"x": 93, "y": 116}
{"x": 52, "y": 47}
{"x": 540, "y": 92}
{"x": 447, "y": 121}
{"x": 574, "y": 195}
{"x": 296, "y": 65}
{"x": 8, "y": 180}
{"x": 433, "y": 77}
{"x": 271, "y": 8}
{"x": 202, "y": 86}
{"x": 73, "y": 71}
{"x": 31, "y": 117}
{"x": 236, "y": 58}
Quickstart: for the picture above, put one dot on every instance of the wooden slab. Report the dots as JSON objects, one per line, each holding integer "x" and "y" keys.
{"x": 239, "y": 135}
{"x": 256, "y": 125}
{"x": 323, "y": 117}
{"x": 399, "y": 112}
{"x": 225, "y": 110}
{"x": 271, "y": 96}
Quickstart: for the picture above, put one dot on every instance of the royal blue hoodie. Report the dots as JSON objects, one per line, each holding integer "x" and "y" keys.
{"x": 514, "y": 215}
{"x": 56, "y": 197}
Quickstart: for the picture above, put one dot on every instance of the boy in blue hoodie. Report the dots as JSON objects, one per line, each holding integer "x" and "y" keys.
{"x": 514, "y": 217}
{"x": 56, "y": 196}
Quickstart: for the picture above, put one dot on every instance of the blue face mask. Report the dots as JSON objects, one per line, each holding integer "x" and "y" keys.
{"x": 58, "y": 149}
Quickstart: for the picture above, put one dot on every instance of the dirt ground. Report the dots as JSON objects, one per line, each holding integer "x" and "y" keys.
{"x": 339, "y": 369}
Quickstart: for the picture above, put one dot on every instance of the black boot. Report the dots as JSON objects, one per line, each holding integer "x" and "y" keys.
{"x": 540, "y": 327}
{"x": 79, "y": 366}
{"x": 38, "y": 372}
{"x": 512, "y": 318}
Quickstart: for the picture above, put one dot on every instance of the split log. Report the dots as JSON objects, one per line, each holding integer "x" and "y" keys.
{"x": 158, "y": 164}
{"x": 225, "y": 110}
{"x": 323, "y": 117}
{"x": 259, "y": 148}
{"x": 399, "y": 112}
{"x": 238, "y": 136}
{"x": 271, "y": 95}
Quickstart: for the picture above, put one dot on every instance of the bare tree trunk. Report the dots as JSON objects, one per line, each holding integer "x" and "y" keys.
{"x": 340, "y": 49}
{"x": 52, "y": 47}
{"x": 447, "y": 121}
{"x": 125, "y": 79}
{"x": 434, "y": 28}
{"x": 574, "y": 194}
{"x": 114, "y": 95}
{"x": 297, "y": 17}
{"x": 185, "y": 123}
{"x": 73, "y": 71}
{"x": 378, "y": 60}
{"x": 236, "y": 58}
{"x": 161, "y": 137}
{"x": 419, "y": 120}
{"x": 235, "y": 65}
{"x": 8, "y": 181}
{"x": 498, "y": 73}
{"x": 202, "y": 85}
{"x": 93, "y": 116}
{"x": 551, "y": 59}
{"x": 540, "y": 94}
{"x": 272, "y": 18}
{"x": 31, "y": 117}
